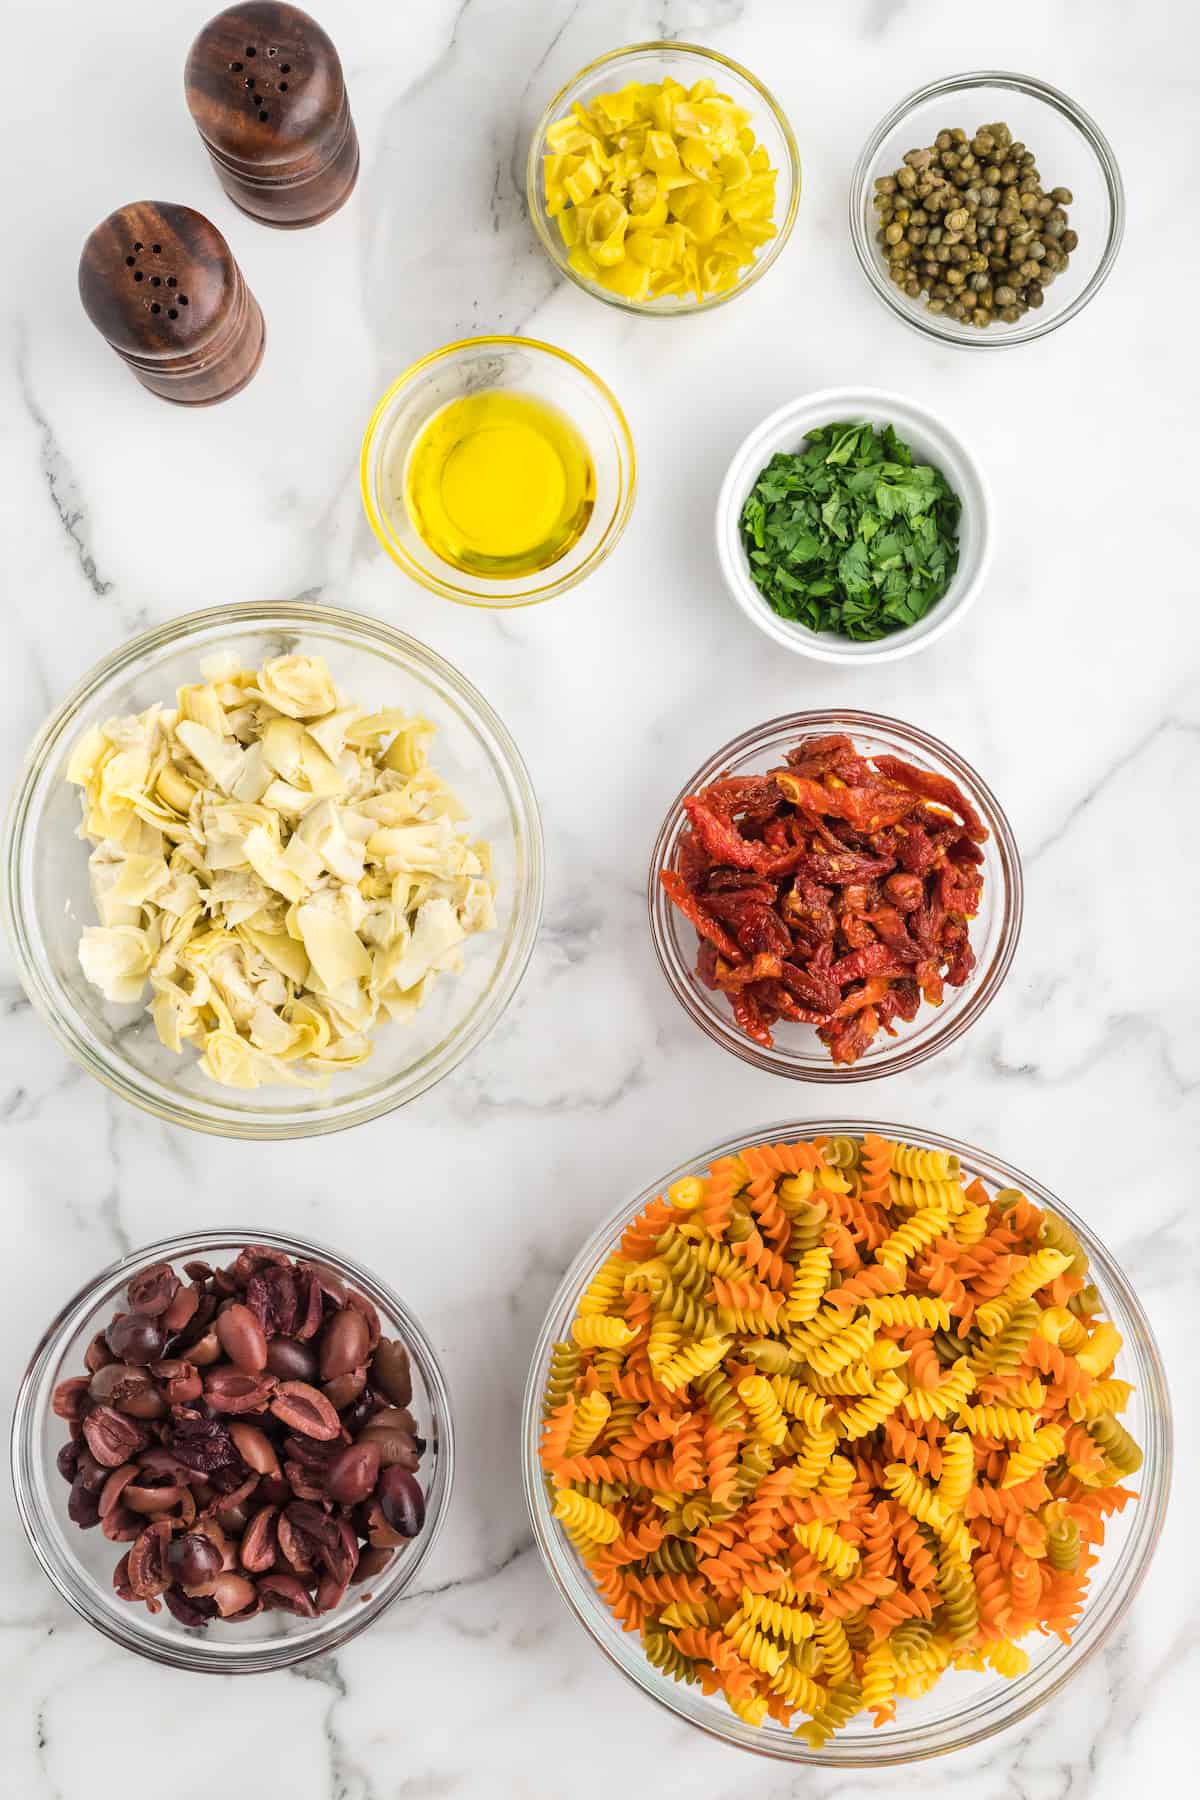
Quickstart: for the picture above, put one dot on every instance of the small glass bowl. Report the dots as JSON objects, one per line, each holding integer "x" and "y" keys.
{"x": 47, "y": 900}
{"x": 686, "y": 63}
{"x": 797, "y": 1051}
{"x": 81, "y": 1563}
{"x": 470, "y": 367}
{"x": 1071, "y": 152}
{"x": 963, "y": 1708}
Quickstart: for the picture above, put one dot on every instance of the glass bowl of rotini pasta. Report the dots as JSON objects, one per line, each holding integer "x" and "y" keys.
{"x": 84, "y": 1565}
{"x": 835, "y": 942}
{"x": 663, "y": 178}
{"x": 847, "y": 1443}
{"x": 233, "y": 1021}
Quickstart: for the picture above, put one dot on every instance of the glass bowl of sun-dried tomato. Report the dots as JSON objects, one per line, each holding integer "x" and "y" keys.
{"x": 835, "y": 896}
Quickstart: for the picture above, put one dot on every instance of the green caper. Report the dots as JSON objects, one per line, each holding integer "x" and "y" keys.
{"x": 1062, "y": 196}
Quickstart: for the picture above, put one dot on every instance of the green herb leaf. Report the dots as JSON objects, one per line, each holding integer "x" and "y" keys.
{"x": 849, "y": 534}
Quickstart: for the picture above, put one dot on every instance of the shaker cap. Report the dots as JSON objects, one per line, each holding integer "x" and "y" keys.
{"x": 263, "y": 82}
{"x": 156, "y": 278}
{"x": 160, "y": 283}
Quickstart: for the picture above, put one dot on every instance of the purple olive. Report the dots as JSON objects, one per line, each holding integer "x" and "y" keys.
{"x": 352, "y": 1473}
{"x": 291, "y": 1360}
{"x": 402, "y": 1501}
{"x": 83, "y": 1505}
{"x": 136, "y": 1338}
{"x": 193, "y": 1559}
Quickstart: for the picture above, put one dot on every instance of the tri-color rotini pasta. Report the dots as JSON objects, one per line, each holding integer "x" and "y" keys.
{"x": 832, "y": 1420}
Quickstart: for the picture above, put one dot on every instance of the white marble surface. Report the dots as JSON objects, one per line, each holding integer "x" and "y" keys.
{"x": 1075, "y": 687}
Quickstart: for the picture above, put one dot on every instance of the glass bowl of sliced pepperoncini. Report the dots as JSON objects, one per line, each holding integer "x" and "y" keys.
{"x": 664, "y": 179}
{"x": 498, "y": 471}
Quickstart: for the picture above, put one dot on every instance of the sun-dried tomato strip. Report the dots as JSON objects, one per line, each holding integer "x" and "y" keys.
{"x": 691, "y": 908}
{"x": 935, "y": 787}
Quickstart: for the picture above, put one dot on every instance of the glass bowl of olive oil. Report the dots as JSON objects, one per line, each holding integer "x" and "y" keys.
{"x": 498, "y": 471}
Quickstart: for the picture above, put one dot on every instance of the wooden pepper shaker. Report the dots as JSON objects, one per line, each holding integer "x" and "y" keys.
{"x": 162, "y": 285}
{"x": 265, "y": 88}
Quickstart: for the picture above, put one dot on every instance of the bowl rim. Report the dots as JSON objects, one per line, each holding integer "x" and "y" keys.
{"x": 927, "y": 323}
{"x": 557, "y": 1557}
{"x": 541, "y": 225}
{"x": 902, "y": 1055}
{"x": 204, "y": 1116}
{"x": 950, "y": 610}
{"x": 448, "y": 590}
{"x": 74, "y": 1584}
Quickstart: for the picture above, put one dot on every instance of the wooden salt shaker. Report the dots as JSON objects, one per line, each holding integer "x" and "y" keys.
{"x": 265, "y": 88}
{"x": 162, "y": 285}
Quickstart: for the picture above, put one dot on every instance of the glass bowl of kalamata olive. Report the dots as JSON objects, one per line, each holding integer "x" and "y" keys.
{"x": 232, "y": 1451}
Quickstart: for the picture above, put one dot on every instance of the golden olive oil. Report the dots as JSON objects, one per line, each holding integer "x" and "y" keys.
{"x": 499, "y": 483}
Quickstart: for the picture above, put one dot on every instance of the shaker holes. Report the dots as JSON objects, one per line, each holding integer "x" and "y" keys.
{"x": 138, "y": 276}
{"x": 156, "y": 308}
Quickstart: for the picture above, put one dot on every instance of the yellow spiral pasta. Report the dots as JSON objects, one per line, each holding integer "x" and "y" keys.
{"x": 921, "y": 1229}
{"x": 832, "y": 1551}
{"x": 756, "y": 1396}
{"x": 909, "y": 1309}
{"x": 586, "y": 1517}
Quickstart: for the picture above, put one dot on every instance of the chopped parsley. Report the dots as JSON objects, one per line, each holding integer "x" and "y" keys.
{"x": 850, "y": 535}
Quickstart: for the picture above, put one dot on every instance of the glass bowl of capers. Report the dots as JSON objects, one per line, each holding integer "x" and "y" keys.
{"x": 987, "y": 209}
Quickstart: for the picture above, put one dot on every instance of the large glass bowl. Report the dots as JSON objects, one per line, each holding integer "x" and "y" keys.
{"x": 47, "y": 901}
{"x": 685, "y": 63}
{"x": 1071, "y": 152}
{"x": 797, "y": 1051}
{"x": 963, "y": 1708}
{"x": 81, "y": 1563}
{"x": 474, "y": 366}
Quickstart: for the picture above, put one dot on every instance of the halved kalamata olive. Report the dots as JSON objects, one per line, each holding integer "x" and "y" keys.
{"x": 286, "y": 1593}
{"x": 114, "y": 1487}
{"x": 291, "y": 1360}
{"x": 397, "y": 1449}
{"x": 344, "y": 1344}
{"x": 357, "y": 1417}
{"x": 310, "y": 1310}
{"x": 193, "y": 1559}
{"x": 242, "y": 1338}
{"x": 153, "y": 1500}
{"x": 402, "y": 1501}
{"x": 67, "y": 1460}
{"x": 255, "y": 1448}
{"x": 329, "y": 1282}
{"x": 111, "y": 1437}
{"x": 260, "y": 1546}
{"x": 274, "y": 1490}
{"x": 344, "y": 1390}
{"x": 361, "y": 1304}
{"x": 152, "y": 1290}
{"x": 194, "y": 1610}
{"x": 391, "y": 1371}
{"x": 330, "y": 1593}
{"x": 205, "y": 1351}
{"x": 120, "y": 1526}
{"x": 121, "y": 1587}
{"x": 182, "y": 1309}
{"x": 181, "y": 1381}
{"x": 371, "y": 1562}
{"x": 71, "y": 1397}
{"x": 305, "y": 1409}
{"x": 97, "y": 1353}
{"x": 148, "y": 1561}
{"x": 352, "y": 1473}
{"x": 235, "y": 1596}
{"x": 136, "y": 1338}
{"x": 229, "y": 1390}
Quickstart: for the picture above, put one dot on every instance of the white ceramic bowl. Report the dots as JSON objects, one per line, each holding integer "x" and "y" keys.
{"x": 931, "y": 440}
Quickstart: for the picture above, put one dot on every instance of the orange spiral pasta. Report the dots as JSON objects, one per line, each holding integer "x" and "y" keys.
{"x": 825, "y": 1429}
